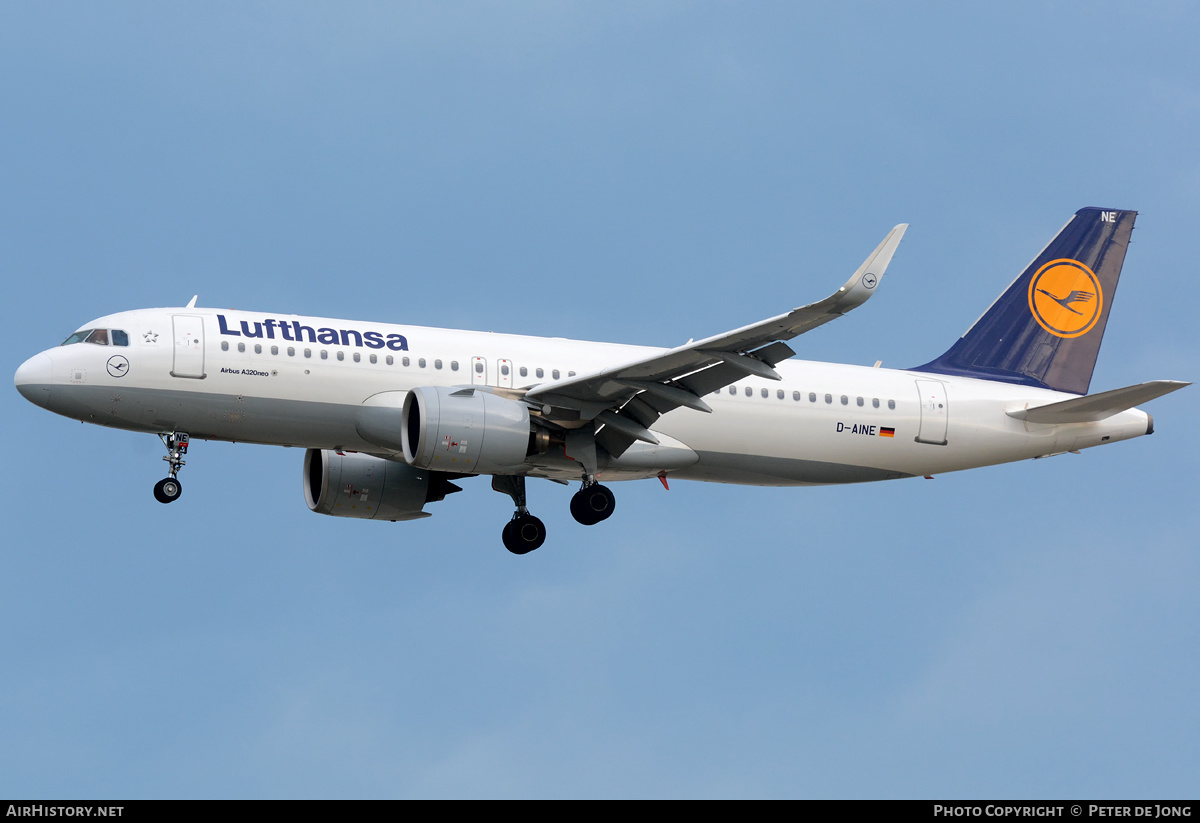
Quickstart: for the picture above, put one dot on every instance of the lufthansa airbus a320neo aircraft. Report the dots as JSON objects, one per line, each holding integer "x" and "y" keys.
{"x": 393, "y": 416}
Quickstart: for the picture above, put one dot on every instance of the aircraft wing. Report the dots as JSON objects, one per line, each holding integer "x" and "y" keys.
{"x": 629, "y": 397}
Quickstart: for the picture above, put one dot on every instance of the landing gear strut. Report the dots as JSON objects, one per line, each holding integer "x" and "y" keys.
{"x": 592, "y": 503}
{"x": 524, "y": 532}
{"x": 169, "y": 488}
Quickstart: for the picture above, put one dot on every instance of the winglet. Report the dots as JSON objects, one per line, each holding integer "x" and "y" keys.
{"x": 862, "y": 283}
{"x": 192, "y": 303}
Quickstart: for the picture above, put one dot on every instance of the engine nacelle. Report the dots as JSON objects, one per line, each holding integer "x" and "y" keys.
{"x": 464, "y": 430}
{"x": 359, "y": 485}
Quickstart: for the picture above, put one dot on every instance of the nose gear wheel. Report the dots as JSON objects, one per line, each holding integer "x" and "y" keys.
{"x": 167, "y": 490}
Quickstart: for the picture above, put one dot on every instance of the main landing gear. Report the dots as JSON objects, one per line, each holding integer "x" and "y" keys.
{"x": 168, "y": 489}
{"x": 592, "y": 503}
{"x": 524, "y": 532}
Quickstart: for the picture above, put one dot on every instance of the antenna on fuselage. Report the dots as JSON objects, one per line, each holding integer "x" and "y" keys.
{"x": 192, "y": 303}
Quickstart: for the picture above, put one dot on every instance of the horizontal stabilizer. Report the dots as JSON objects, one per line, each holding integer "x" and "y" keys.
{"x": 1095, "y": 407}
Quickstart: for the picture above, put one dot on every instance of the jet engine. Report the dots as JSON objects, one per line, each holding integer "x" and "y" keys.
{"x": 359, "y": 485}
{"x": 466, "y": 431}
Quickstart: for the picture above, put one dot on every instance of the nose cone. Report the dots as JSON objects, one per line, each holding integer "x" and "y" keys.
{"x": 33, "y": 379}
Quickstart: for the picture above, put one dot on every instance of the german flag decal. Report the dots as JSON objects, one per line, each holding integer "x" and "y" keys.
{"x": 887, "y": 431}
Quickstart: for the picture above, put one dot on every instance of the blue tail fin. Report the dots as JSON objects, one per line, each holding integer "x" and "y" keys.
{"x": 1045, "y": 330}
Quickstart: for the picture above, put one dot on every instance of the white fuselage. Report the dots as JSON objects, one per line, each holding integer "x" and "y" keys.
{"x": 206, "y": 372}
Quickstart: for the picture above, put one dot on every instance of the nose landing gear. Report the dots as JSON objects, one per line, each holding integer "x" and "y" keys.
{"x": 169, "y": 488}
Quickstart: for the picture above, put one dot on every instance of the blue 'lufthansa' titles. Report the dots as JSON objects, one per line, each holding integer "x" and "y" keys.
{"x": 296, "y": 332}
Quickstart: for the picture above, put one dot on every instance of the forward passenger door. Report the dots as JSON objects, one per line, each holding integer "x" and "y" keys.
{"x": 188, "y": 333}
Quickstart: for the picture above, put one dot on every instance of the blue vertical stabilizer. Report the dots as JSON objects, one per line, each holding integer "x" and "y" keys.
{"x": 1045, "y": 330}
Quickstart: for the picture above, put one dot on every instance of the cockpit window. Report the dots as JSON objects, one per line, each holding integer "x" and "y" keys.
{"x": 98, "y": 336}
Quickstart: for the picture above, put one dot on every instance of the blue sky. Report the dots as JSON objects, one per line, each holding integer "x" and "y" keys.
{"x": 631, "y": 172}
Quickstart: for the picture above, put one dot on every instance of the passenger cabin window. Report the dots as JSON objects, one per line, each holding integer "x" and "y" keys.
{"x": 453, "y": 365}
{"x": 892, "y": 404}
{"x": 391, "y": 360}
{"x": 541, "y": 372}
{"x": 766, "y": 393}
{"x": 875, "y": 402}
{"x": 374, "y": 358}
{"x": 733, "y": 389}
{"x": 796, "y": 396}
{"x": 341, "y": 355}
{"x": 524, "y": 371}
{"x": 556, "y": 374}
{"x": 242, "y": 347}
{"x": 437, "y": 364}
{"x": 274, "y": 350}
{"x": 357, "y": 357}
{"x": 258, "y": 348}
{"x": 479, "y": 368}
{"x": 224, "y": 345}
{"x": 749, "y": 392}
{"x": 421, "y": 362}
